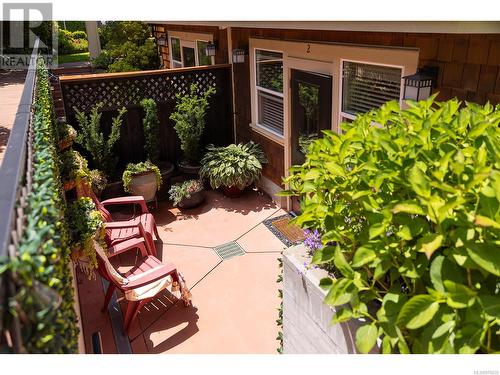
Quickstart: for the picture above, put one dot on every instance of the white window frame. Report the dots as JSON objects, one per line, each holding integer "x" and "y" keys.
{"x": 172, "y": 60}
{"x": 197, "y": 56}
{"x": 350, "y": 116}
{"x": 190, "y": 43}
{"x": 270, "y": 133}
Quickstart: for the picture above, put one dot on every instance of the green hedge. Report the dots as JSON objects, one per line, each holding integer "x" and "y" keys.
{"x": 409, "y": 215}
{"x": 42, "y": 270}
{"x": 72, "y": 42}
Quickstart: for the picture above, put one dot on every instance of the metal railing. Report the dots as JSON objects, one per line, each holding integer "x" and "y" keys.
{"x": 15, "y": 186}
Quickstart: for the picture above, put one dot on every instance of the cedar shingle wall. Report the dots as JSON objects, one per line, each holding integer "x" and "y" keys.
{"x": 469, "y": 67}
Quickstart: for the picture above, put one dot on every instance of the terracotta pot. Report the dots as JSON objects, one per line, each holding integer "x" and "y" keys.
{"x": 65, "y": 143}
{"x": 144, "y": 184}
{"x": 189, "y": 170}
{"x": 69, "y": 185}
{"x": 232, "y": 191}
{"x": 196, "y": 198}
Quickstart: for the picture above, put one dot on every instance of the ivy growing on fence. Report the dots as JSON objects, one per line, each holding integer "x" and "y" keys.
{"x": 44, "y": 302}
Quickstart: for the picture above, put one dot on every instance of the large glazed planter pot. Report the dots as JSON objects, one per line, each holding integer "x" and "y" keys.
{"x": 166, "y": 170}
{"x": 232, "y": 191}
{"x": 307, "y": 327}
{"x": 196, "y": 198}
{"x": 189, "y": 170}
{"x": 144, "y": 184}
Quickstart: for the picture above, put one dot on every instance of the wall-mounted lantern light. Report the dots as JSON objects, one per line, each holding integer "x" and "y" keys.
{"x": 210, "y": 49}
{"x": 161, "y": 39}
{"x": 419, "y": 86}
{"x": 238, "y": 55}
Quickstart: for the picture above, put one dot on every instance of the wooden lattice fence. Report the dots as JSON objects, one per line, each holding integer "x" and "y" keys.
{"x": 115, "y": 90}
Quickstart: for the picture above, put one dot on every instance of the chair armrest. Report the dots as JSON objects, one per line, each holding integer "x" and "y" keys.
{"x": 122, "y": 224}
{"x": 134, "y": 199}
{"x": 150, "y": 276}
{"x": 131, "y": 244}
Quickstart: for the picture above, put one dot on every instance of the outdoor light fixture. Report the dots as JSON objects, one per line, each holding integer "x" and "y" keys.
{"x": 418, "y": 86}
{"x": 238, "y": 55}
{"x": 161, "y": 40}
{"x": 210, "y": 49}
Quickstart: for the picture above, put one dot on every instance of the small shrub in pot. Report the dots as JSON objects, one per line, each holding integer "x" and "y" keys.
{"x": 91, "y": 137}
{"x": 73, "y": 169}
{"x": 142, "y": 179}
{"x": 187, "y": 194}
{"x": 85, "y": 225}
{"x": 151, "y": 130}
{"x": 98, "y": 181}
{"x": 233, "y": 167}
{"x": 189, "y": 119}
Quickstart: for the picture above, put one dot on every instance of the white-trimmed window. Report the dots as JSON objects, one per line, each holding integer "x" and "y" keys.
{"x": 188, "y": 53}
{"x": 368, "y": 86}
{"x": 175, "y": 52}
{"x": 202, "y": 58}
{"x": 269, "y": 87}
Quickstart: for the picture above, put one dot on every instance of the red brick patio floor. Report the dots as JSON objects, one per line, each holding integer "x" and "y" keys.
{"x": 235, "y": 301}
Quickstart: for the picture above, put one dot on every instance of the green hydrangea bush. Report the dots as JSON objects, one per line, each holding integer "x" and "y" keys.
{"x": 407, "y": 205}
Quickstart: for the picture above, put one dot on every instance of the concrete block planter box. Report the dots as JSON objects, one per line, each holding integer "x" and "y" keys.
{"x": 306, "y": 319}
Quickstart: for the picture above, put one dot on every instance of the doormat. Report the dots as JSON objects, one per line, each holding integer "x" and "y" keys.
{"x": 288, "y": 233}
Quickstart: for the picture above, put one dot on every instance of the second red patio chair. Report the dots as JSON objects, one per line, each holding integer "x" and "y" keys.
{"x": 120, "y": 230}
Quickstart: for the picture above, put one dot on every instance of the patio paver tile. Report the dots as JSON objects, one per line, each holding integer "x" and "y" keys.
{"x": 261, "y": 239}
{"x": 218, "y": 221}
{"x": 235, "y": 309}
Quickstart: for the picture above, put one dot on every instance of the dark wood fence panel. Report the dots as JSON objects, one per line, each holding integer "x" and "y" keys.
{"x": 116, "y": 90}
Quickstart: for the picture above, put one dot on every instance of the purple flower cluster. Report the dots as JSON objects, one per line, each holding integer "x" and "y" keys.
{"x": 313, "y": 239}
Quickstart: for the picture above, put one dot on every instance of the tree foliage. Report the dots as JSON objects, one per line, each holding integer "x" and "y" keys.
{"x": 127, "y": 46}
{"x": 409, "y": 212}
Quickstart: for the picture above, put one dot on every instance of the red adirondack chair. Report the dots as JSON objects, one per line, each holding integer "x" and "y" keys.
{"x": 148, "y": 277}
{"x": 118, "y": 230}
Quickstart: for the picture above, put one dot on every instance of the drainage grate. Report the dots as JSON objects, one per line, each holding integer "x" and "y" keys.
{"x": 229, "y": 250}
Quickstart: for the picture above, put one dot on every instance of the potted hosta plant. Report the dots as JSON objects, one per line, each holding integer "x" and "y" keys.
{"x": 233, "y": 168}
{"x": 187, "y": 194}
{"x": 85, "y": 225}
{"x": 142, "y": 179}
{"x": 189, "y": 119}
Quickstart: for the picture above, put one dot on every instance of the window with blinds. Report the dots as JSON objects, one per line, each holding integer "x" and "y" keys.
{"x": 365, "y": 86}
{"x": 269, "y": 77}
